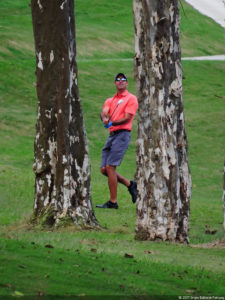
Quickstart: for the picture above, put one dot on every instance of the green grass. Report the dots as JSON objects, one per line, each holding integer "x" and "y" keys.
{"x": 105, "y": 32}
{"x": 72, "y": 270}
{"x": 93, "y": 262}
{"x": 199, "y": 34}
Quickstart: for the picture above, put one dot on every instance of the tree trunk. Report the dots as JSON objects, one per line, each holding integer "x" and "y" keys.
{"x": 163, "y": 175}
{"x": 62, "y": 166}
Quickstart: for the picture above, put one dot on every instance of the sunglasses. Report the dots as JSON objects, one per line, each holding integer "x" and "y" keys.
{"x": 120, "y": 79}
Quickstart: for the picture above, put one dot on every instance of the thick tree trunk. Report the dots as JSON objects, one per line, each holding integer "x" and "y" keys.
{"x": 163, "y": 175}
{"x": 62, "y": 166}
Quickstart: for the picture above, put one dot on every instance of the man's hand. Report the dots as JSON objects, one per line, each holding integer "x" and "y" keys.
{"x": 105, "y": 120}
{"x": 108, "y": 125}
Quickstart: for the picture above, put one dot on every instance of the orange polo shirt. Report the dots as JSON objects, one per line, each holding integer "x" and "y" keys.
{"x": 129, "y": 105}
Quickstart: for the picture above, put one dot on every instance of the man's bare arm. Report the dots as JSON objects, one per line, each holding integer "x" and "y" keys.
{"x": 123, "y": 120}
{"x": 104, "y": 115}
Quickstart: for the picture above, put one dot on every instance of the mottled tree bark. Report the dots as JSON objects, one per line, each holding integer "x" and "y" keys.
{"x": 62, "y": 166}
{"x": 163, "y": 175}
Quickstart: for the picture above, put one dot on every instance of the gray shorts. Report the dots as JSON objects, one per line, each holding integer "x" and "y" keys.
{"x": 115, "y": 148}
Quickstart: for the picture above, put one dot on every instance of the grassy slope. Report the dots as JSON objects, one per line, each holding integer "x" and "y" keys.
{"x": 169, "y": 269}
{"x": 86, "y": 269}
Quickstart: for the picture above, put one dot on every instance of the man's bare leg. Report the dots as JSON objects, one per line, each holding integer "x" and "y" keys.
{"x": 113, "y": 178}
{"x": 112, "y": 182}
{"x": 120, "y": 178}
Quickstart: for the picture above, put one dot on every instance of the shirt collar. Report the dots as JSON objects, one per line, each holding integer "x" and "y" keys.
{"x": 124, "y": 94}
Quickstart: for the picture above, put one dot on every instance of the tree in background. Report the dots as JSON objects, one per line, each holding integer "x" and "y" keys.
{"x": 62, "y": 166}
{"x": 163, "y": 175}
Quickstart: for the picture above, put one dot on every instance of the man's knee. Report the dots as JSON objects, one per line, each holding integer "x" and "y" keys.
{"x": 103, "y": 170}
{"x": 109, "y": 168}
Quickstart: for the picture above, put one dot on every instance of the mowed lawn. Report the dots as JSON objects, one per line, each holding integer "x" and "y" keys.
{"x": 105, "y": 262}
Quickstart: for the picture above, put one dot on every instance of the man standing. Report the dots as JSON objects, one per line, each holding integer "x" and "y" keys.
{"x": 117, "y": 114}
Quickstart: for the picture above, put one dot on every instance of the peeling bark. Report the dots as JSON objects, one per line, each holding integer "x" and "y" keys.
{"x": 62, "y": 166}
{"x": 163, "y": 175}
